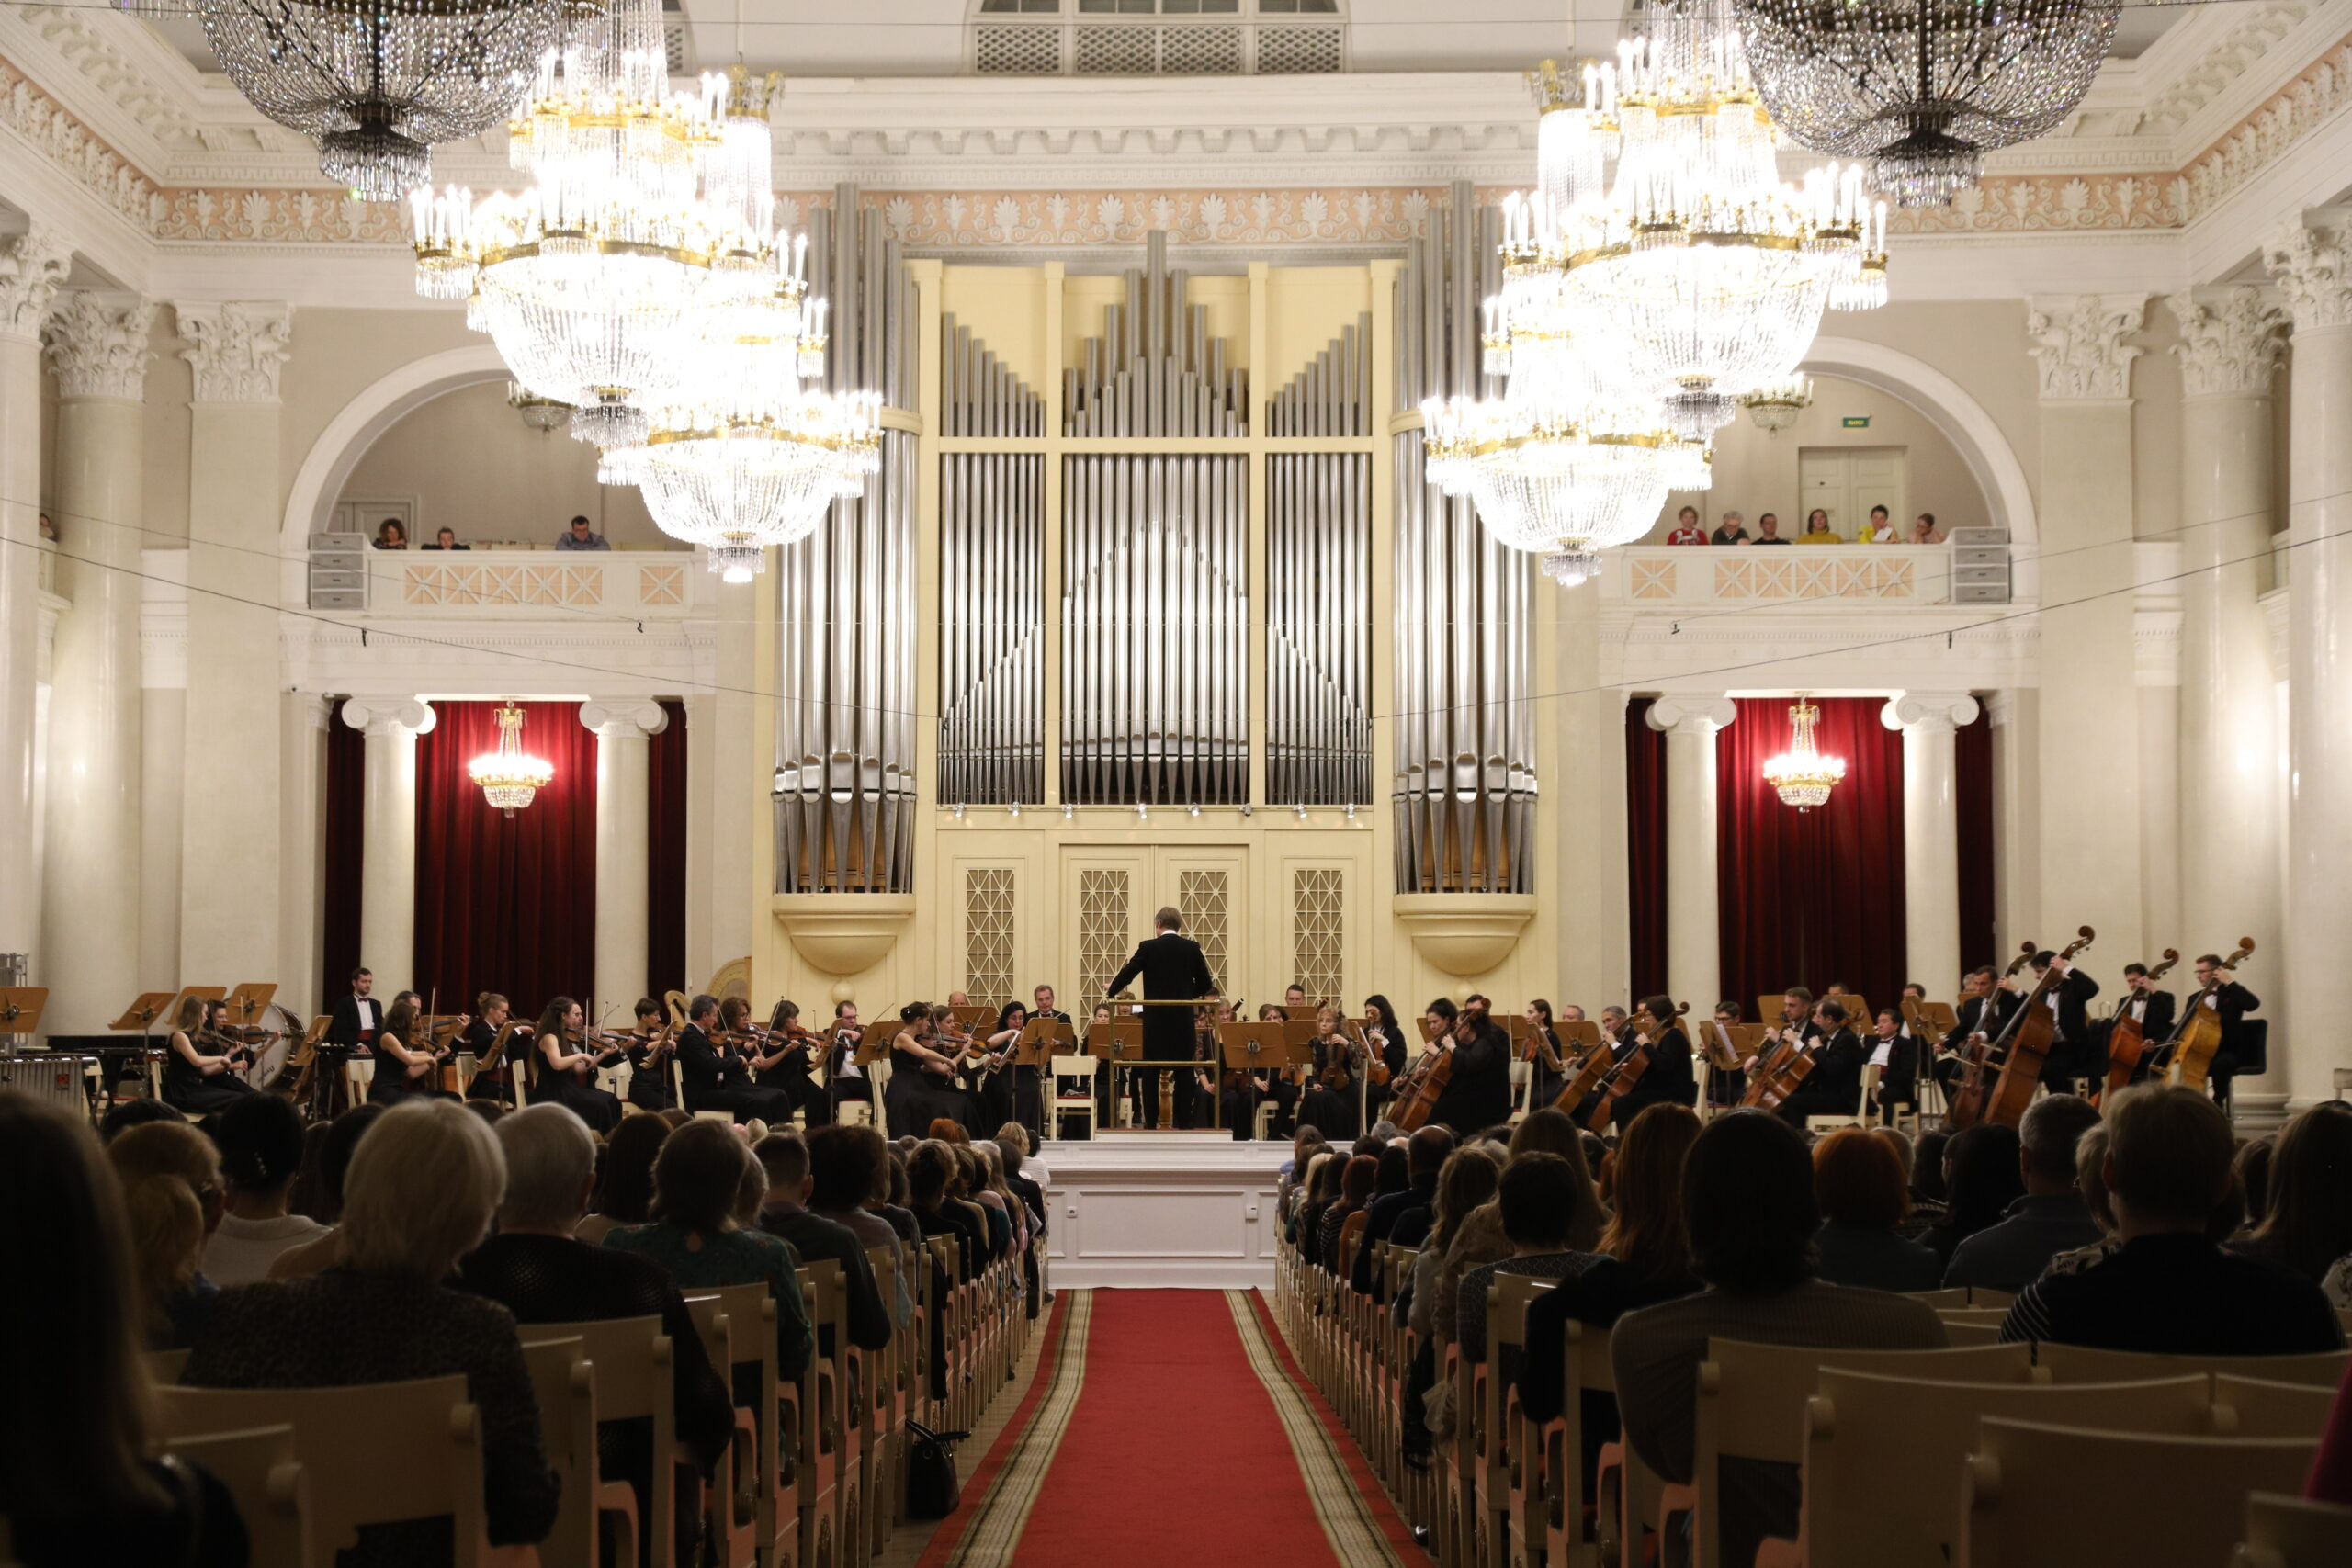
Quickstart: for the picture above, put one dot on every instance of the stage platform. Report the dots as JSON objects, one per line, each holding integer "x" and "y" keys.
{"x": 1163, "y": 1209}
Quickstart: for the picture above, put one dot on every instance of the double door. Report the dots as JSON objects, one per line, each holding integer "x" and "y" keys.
{"x": 1110, "y": 894}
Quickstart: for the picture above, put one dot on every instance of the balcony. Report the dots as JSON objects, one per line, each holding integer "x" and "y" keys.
{"x": 1674, "y": 577}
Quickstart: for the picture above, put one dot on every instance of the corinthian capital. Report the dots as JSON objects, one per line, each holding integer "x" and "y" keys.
{"x": 2078, "y": 343}
{"x": 237, "y": 349}
{"x": 2311, "y": 258}
{"x": 2232, "y": 339}
{"x": 32, "y": 265}
{"x": 97, "y": 345}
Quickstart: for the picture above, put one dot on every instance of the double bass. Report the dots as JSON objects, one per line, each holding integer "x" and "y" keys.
{"x": 2028, "y": 1037}
{"x": 2188, "y": 1059}
{"x": 2127, "y": 1043}
{"x": 1976, "y": 1059}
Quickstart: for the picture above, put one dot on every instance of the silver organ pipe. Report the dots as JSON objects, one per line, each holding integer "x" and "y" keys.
{"x": 844, "y": 753}
{"x": 1465, "y": 779}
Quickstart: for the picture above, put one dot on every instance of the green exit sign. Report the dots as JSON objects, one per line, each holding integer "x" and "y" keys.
{"x": 1856, "y": 421}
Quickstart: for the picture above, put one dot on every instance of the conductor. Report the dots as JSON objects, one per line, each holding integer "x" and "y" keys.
{"x": 1172, "y": 970}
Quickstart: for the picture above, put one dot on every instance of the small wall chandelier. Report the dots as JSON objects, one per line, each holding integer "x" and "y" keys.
{"x": 1775, "y": 406}
{"x": 542, "y": 414}
{"x": 510, "y": 777}
{"x": 1802, "y": 775}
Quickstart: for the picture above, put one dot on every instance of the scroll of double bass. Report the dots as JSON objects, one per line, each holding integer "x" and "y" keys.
{"x": 2028, "y": 1037}
{"x": 2127, "y": 1043}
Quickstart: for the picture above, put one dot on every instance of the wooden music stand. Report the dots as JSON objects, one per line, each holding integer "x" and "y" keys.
{"x": 1746, "y": 1040}
{"x": 1262, "y": 1047}
{"x": 1121, "y": 1039}
{"x": 1769, "y": 1006}
{"x": 873, "y": 1045}
{"x": 1578, "y": 1035}
{"x": 971, "y": 1015}
{"x": 1041, "y": 1040}
{"x": 20, "y": 1009}
{"x": 249, "y": 999}
{"x": 1298, "y": 1034}
{"x": 144, "y": 1011}
{"x": 1929, "y": 1021}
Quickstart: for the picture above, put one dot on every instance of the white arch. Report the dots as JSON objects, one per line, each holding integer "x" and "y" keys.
{"x": 1942, "y": 402}
{"x": 375, "y": 408}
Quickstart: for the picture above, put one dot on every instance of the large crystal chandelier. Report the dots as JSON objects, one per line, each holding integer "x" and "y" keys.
{"x": 510, "y": 777}
{"x": 1922, "y": 88}
{"x": 646, "y": 211}
{"x": 1699, "y": 275}
{"x": 1802, "y": 775}
{"x": 377, "y": 83}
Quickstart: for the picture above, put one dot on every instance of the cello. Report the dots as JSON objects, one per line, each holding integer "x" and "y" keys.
{"x": 1773, "y": 1077}
{"x": 1628, "y": 1071}
{"x": 2028, "y": 1036}
{"x": 2188, "y": 1059}
{"x": 1418, "y": 1094}
{"x": 2127, "y": 1043}
{"x": 1975, "y": 1053}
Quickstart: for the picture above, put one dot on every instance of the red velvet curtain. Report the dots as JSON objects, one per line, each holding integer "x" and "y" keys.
{"x": 1815, "y": 896}
{"x": 340, "y": 843}
{"x": 1645, "y": 847}
{"x": 505, "y": 904}
{"x": 666, "y": 856}
{"x": 1972, "y": 796}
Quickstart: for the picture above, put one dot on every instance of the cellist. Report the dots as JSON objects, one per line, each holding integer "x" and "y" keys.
{"x": 1669, "y": 1078}
{"x": 1983, "y": 1015}
{"x": 1833, "y": 1087}
{"x": 1478, "y": 1089}
{"x": 2072, "y": 1040}
{"x": 2219, "y": 990}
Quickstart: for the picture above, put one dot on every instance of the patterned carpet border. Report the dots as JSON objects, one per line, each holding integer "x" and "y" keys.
{"x": 984, "y": 1532}
{"x": 1364, "y": 1531}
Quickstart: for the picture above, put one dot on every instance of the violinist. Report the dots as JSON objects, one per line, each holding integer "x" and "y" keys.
{"x": 844, "y": 1079}
{"x": 567, "y": 1066}
{"x": 923, "y": 1076}
{"x": 1547, "y": 1067}
{"x": 407, "y": 1061}
{"x": 989, "y": 1075}
{"x": 1668, "y": 1078}
{"x": 1389, "y": 1047}
{"x": 480, "y": 1032}
{"x": 771, "y": 1060}
{"x": 1330, "y": 1105}
{"x": 1478, "y": 1091}
{"x": 720, "y": 1080}
{"x": 1833, "y": 1087}
{"x": 200, "y": 1063}
{"x": 649, "y": 1050}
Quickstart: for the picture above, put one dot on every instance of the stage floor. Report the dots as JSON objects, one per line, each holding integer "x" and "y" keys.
{"x": 1163, "y": 1209}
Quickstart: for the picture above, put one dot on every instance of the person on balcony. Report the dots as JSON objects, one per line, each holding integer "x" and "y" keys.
{"x": 580, "y": 536}
{"x": 1686, "y": 530}
{"x": 1733, "y": 532}
{"x": 1881, "y": 530}
{"x": 1818, "y": 530}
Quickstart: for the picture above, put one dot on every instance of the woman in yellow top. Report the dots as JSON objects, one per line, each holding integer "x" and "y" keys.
{"x": 1818, "y": 530}
{"x": 1881, "y": 529}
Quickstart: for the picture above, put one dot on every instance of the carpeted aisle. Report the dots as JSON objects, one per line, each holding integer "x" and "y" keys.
{"x": 1168, "y": 1430}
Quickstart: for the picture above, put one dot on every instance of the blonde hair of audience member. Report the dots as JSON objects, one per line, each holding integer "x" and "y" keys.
{"x": 2308, "y": 1225}
{"x": 2090, "y": 1175}
{"x": 699, "y": 1177}
{"x": 1646, "y": 1234}
{"x": 1466, "y": 1181}
{"x": 1014, "y": 1138}
{"x": 424, "y": 1185}
{"x": 551, "y": 1169}
{"x": 75, "y": 1394}
{"x": 174, "y": 1197}
{"x": 751, "y": 1193}
{"x": 2168, "y": 1165}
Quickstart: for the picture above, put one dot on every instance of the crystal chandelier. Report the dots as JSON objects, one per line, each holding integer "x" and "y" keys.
{"x": 1923, "y": 88}
{"x": 1775, "y": 406}
{"x": 510, "y": 776}
{"x": 1802, "y": 774}
{"x": 542, "y": 414}
{"x": 377, "y": 83}
{"x": 646, "y": 210}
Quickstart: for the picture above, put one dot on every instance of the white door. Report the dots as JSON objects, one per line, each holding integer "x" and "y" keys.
{"x": 1846, "y": 481}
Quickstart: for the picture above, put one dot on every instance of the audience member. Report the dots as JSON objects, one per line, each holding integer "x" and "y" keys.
{"x": 445, "y": 539}
{"x": 2048, "y": 1218}
{"x": 625, "y": 1186}
{"x": 1355, "y": 1190}
{"x": 261, "y": 1148}
{"x": 171, "y": 1190}
{"x": 1981, "y": 1182}
{"x": 1818, "y": 530}
{"x": 1424, "y": 1153}
{"x": 1686, "y": 529}
{"x": 1859, "y": 1183}
{"x": 2252, "y": 1168}
{"x": 423, "y": 1187}
{"x": 1538, "y": 1200}
{"x": 580, "y": 536}
{"x": 1878, "y": 530}
{"x": 1733, "y": 530}
{"x": 849, "y": 1166}
{"x": 392, "y": 535}
{"x": 2307, "y": 1224}
{"x": 1466, "y": 1181}
{"x": 129, "y": 1113}
{"x": 335, "y": 1165}
{"x": 1924, "y": 530}
{"x": 1480, "y": 1239}
{"x": 78, "y": 1484}
{"x": 2169, "y": 1287}
{"x": 816, "y": 1239}
{"x": 1767, "y": 530}
{"x": 933, "y": 1175}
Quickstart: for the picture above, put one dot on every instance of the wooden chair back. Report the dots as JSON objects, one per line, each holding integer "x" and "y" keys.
{"x": 1882, "y": 1454}
{"x": 2259, "y": 1407}
{"x": 2022, "y": 1492}
{"x": 373, "y": 1453}
{"x": 632, "y": 1363}
{"x": 164, "y": 1366}
{"x": 1972, "y": 1335}
{"x": 565, "y": 1385}
{"x": 261, "y": 1472}
{"x": 2294, "y": 1532}
{"x": 1953, "y": 1298}
{"x": 2078, "y": 1364}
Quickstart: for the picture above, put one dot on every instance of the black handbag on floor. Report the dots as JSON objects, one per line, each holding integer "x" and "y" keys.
{"x": 933, "y": 1489}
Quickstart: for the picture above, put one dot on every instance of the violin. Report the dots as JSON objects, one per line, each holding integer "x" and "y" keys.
{"x": 234, "y": 1050}
{"x": 611, "y": 1049}
{"x": 2028, "y": 1037}
{"x": 2127, "y": 1043}
{"x": 2188, "y": 1058}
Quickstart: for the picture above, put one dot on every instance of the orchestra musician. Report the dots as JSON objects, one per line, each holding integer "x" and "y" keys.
{"x": 1390, "y": 1048}
{"x": 481, "y": 1032}
{"x": 2232, "y": 1001}
{"x": 1669, "y": 1077}
{"x": 774, "y": 1061}
{"x": 1478, "y": 1091}
{"x": 1329, "y": 1104}
{"x": 1241, "y": 1092}
{"x": 352, "y": 1022}
{"x": 407, "y": 1061}
{"x": 1173, "y": 968}
{"x": 2156, "y": 1010}
{"x": 1547, "y": 1072}
{"x": 844, "y": 1080}
{"x": 923, "y": 1076}
{"x": 718, "y": 1079}
{"x": 567, "y": 1066}
{"x": 1725, "y": 1084}
{"x": 1895, "y": 1051}
{"x": 200, "y": 1063}
{"x": 1833, "y": 1087}
{"x": 989, "y": 1075}
{"x": 2071, "y": 1042}
{"x": 649, "y": 1049}
{"x": 1983, "y": 1014}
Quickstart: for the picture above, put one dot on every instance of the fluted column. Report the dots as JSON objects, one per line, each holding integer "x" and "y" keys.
{"x": 97, "y": 345}
{"x": 1930, "y": 832}
{"x": 388, "y": 836}
{"x": 623, "y": 922}
{"x": 32, "y": 265}
{"x": 1693, "y": 939}
{"x": 2015, "y": 716}
{"x": 2311, "y": 259}
{"x": 232, "y": 778}
{"x": 2231, "y": 343}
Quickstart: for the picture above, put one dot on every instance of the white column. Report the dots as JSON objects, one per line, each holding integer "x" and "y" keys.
{"x": 231, "y": 783}
{"x": 2015, "y": 716}
{"x": 1693, "y": 939}
{"x": 97, "y": 345}
{"x": 303, "y": 721}
{"x": 2089, "y": 859}
{"x": 1930, "y": 832}
{"x": 1595, "y": 943}
{"x": 32, "y": 265}
{"x": 622, "y": 730}
{"x": 2311, "y": 259}
{"x": 388, "y": 836}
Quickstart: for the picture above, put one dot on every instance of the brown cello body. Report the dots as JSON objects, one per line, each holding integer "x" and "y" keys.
{"x": 2028, "y": 1035}
{"x": 1976, "y": 1065}
{"x": 2188, "y": 1060}
{"x": 1422, "y": 1088}
{"x": 1580, "y": 1084}
{"x": 2127, "y": 1043}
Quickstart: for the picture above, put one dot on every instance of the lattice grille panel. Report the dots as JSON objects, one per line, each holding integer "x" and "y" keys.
{"x": 1318, "y": 930}
{"x": 1018, "y": 51}
{"x": 988, "y": 934}
{"x": 1298, "y": 50}
{"x": 1200, "y": 51}
{"x": 1203, "y": 898}
{"x": 1116, "y": 51}
{"x": 1103, "y": 928}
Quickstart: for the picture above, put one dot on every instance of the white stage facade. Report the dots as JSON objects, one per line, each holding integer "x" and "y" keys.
{"x": 1192, "y": 1210}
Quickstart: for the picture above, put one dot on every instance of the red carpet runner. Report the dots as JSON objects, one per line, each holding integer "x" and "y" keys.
{"x": 1171, "y": 1427}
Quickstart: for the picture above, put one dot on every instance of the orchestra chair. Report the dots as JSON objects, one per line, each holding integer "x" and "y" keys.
{"x": 2256, "y": 1408}
{"x": 272, "y": 1493}
{"x": 1881, "y": 1454}
{"x": 2079, "y": 1363}
{"x": 371, "y": 1453}
{"x": 2284, "y": 1531}
{"x": 631, "y": 1366}
{"x": 565, "y": 1384}
{"x": 2022, "y": 1496}
{"x": 1082, "y": 1104}
{"x": 1861, "y": 1110}
{"x": 164, "y": 1366}
{"x": 1751, "y": 1402}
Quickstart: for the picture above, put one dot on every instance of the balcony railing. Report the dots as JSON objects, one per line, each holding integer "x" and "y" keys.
{"x": 1671, "y": 577}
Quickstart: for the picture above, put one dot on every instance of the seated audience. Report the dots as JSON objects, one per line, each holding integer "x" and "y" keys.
{"x": 1538, "y": 1199}
{"x": 624, "y": 1185}
{"x": 2307, "y": 1225}
{"x": 1686, "y": 529}
{"x": 1878, "y": 530}
{"x": 171, "y": 1190}
{"x": 702, "y": 1167}
{"x": 1355, "y": 1190}
{"x": 2252, "y": 1168}
{"x": 1425, "y": 1151}
{"x": 934, "y": 1176}
{"x": 1924, "y": 530}
{"x": 581, "y": 537}
{"x": 1857, "y": 1182}
{"x": 335, "y": 1165}
{"x": 1767, "y": 530}
{"x": 849, "y": 1166}
{"x": 80, "y": 1485}
{"x": 2170, "y": 1287}
{"x": 261, "y": 1148}
{"x": 424, "y": 1185}
{"x": 1748, "y": 1199}
{"x": 816, "y": 1239}
{"x": 1733, "y": 530}
{"x": 1981, "y": 1182}
{"x": 1467, "y": 1180}
{"x": 1480, "y": 1238}
{"x": 1818, "y": 530}
{"x": 445, "y": 539}
{"x": 392, "y": 535}
{"x": 2050, "y": 1218}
